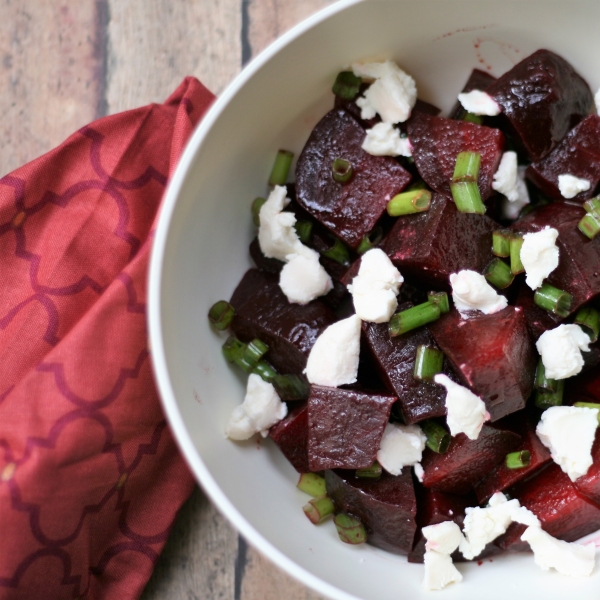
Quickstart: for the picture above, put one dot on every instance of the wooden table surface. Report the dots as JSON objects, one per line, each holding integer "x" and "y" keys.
{"x": 64, "y": 64}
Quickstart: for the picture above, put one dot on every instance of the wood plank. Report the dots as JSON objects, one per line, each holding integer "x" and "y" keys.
{"x": 51, "y": 74}
{"x": 154, "y": 44}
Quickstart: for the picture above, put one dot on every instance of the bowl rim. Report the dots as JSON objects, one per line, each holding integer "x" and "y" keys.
{"x": 154, "y": 321}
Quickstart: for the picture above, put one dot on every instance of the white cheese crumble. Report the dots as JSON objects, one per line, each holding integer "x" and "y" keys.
{"x": 570, "y": 186}
{"x": 569, "y": 432}
{"x": 401, "y": 446}
{"x": 333, "y": 360}
{"x": 443, "y": 537}
{"x": 466, "y": 411}
{"x": 506, "y": 177}
{"x": 479, "y": 103}
{"x": 539, "y": 255}
{"x": 471, "y": 291}
{"x": 439, "y": 571}
{"x": 261, "y": 409}
{"x": 384, "y": 140}
{"x": 392, "y": 94}
{"x": 419, "y": 471}
{"x": 376, "y": 286}
{"x": 575, "y": 560}
{"x": 511, "y": 208}
{"x": 303, "y": 278}
{"x": 560, "y": 349}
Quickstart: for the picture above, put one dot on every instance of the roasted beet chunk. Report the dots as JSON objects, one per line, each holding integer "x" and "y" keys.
{"x": 291, "y": 435}
{"x": 345, "y": 427}
{"x": 538, "y": 320}
{"x": 467, "y": 461}
{"x": 350, "y": 210}
{"x": 588, "y": 485}
{"x": 431, "y": 245}
{"x": 492, "y": 354}
{"x": 387, "y": 507}
{"x": 579, "y": 259}
{"x": 577, "y": 154}
{"x": 542, "y": 97}
{"x": 290, "y": 330}
{"x": 437, "y": 141}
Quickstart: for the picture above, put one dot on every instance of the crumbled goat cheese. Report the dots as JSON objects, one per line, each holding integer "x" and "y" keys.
{"x": 384, "y": 140}
{"x": 471, "y": 291}
{"x": 560, "y": 349}
{"x": 466, "y": 412}
{"x": 392, "y": 94}
{"x": 376, "y": 286}
{"x": 512, "y": 208}
{"x": 439, "y": 571}
{"x": 479, "y": 103}
{"x": 333, "y": 360}
{"x": 261, "y": 409}
{"x": 570, "y": 186}
{"x": 401, "y": 446}
{"x": 575, "y": 560}
{"x": 484, "y": 525}
{"x": 597, "y": 101}
{"x": 507, "y": 176}
{"x": 419, "y": 471}
{"x": 569, "y": 432}
{"x": 443, "y": 537}
{"x": 539, "y": 255}
{"x": 303, "y": 278}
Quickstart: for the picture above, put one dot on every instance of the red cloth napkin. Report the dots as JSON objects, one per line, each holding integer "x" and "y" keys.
{"x": 90, "y": 476}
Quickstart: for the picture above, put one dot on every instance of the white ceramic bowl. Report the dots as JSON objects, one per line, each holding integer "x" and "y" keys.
{"x": 201, "y": 252}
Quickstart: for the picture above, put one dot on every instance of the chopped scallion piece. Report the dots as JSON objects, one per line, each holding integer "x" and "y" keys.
{"x": 589, "y": 405}
{"x": 257, "y": 204}
{"x": 409, "y": 203}
{"x": 304, "y": 230}
{"x": 414, "y": 317}
{"x": 233, "y": 350}
{"x": 516, "y": 241}
{"x": 547, "y": 399}
{"x": 471, "y": 118}
{"x": 338, "y": 252}
{"x": 441, "y": 299}
{"x": 291, "y": 387}
{"x": 254, "y": 351}
{"x": 588, "y": 319}
{"x": 347, "y": 85}
{"x": 467, "y": 165}
{"x": 318, "y": 509}
{"x": 438, "y": 439}
{"x": 372, "y": 472}
{"x": 553, "y": 300}
{"x": 518, "y": 460}
{"x": 341, "y": 170}
{"x": 501, "y": 243}
{"x": 370, "y": 240}
{"x": 265, "y": 370}
{"x": 428, "y": 363}
{"x": 590, "y": 224}
{"x": 498, "y": 273}
{"x": 312, "y": 484}
{"x": 542, "y": 383}
{"x": 467, "y": 197}
{"x": 281, "y": 167}
{"x": 221, "y": 314}
{"x": 592, "y": 205}
{"x": 350, "y": 529}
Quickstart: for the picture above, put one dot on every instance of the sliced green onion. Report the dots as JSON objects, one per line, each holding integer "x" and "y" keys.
{"x": 501, "y": 243}
{"x": 516, "y": 241}
{"x": 370, "y": 240}
{"x": 588, "y": 319}
{"x": 548, "y": 399}
{"x": 592, "y": 205}
{"x": 467, "y": 165}
{"x": 414, "y": 317}
{"x": 409, "y": 203}
{"x": 350, "y": 529}
{"x": 438, "y": 439}
{"x": 347, "y": 85}
{"x": 265, "y": 370}
{"x": 518, "y": 460}
{"x": 498, "y": 273}
{"x": 281, "y": 167}
{"x": 589, "y": 405}
{"x": 318, "y": 509}
{"x": 304, "y": 230}
{"x": 372, "y": 472}
{"x": 467, "y": 197}
{"x": 341, "y": 170}
{"x": 542, "y": 382}
{"x": 257, "y": 204}
{"x": 428, "y": 363}
{"x": 338, "y": 252}
{"x": 471, "y": 118}
{"x": 441, "y": 299}
{"x": 291, "y": 387}
{"x": 590, "y": 224}
{"x": 233, "y": 350}
{"x": 312, "y": 484}
{"x": 254, "y": 351}
{"x": 553, "y": 300}
{"x": 221, "y": 314}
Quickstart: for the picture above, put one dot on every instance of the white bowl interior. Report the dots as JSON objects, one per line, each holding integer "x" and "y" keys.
{"x": 201, "y": 252}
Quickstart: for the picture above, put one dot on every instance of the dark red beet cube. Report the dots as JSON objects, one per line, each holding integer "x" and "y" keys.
{"x": 538, "y": 320}
{"x": 431, "y": 245}
{"x": 387, "y": 507}
{"x": 501, "y": 477}
{"x": 588, "y": 485}
{"x": 584, "y": 387}
{"x": 578, "y": 269}
{"x": 478, "y": 80}
{"x": 492, "y": 354}
{"x": 290, "y": 330}
{"x": 345, "y": 427}
{"x": 291, "y": 435}
{"x": 436, "y": 142}
{"x": 577, "y": 154}
{"x": 542, "y": 97}
{"x": 269, "y": 265}
{"x": 467, "y": 461}
{"x": 350, "y": 210}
